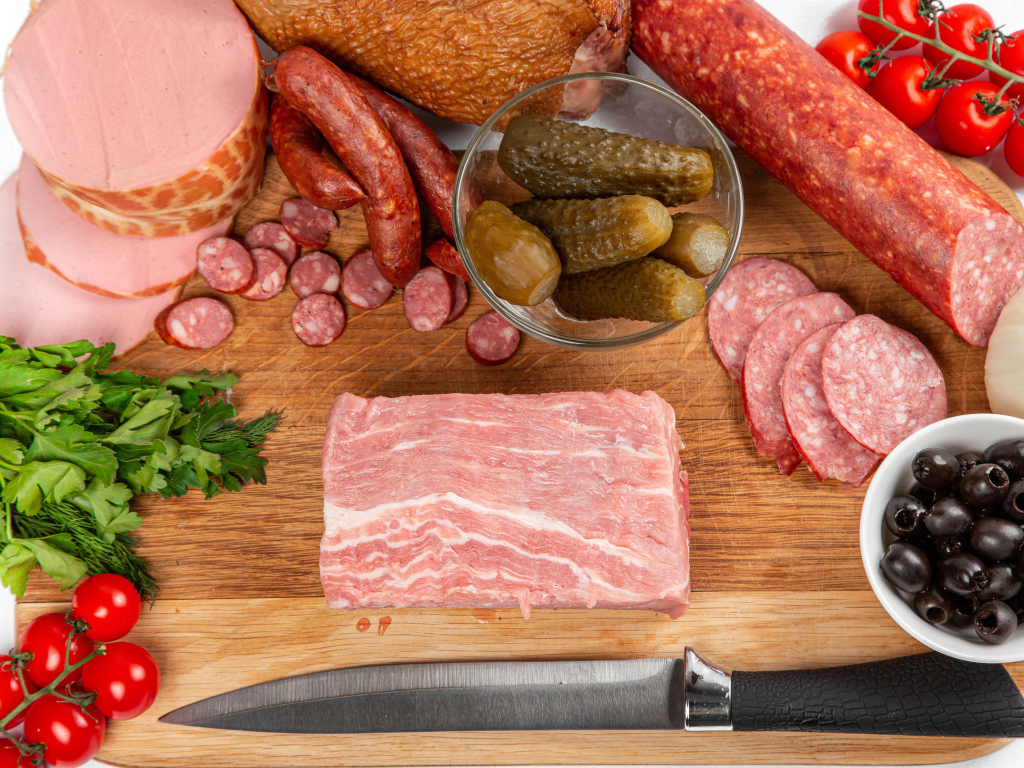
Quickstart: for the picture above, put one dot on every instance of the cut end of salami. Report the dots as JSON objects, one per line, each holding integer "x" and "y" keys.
{"x": 271, "y": 275}
{"x": 270, "y": 234}
{"x": 199, "y": 323}
{"x": 460, "y": 299}
{"x": 427, "y": 300}
{"x": 443, "y": 255}
{"x": 318, "y": 320}
{"x": 309, "y": 225}
{"x": 491, "y": 339}
{"x": 881, "y": 383}
{"x": 315, "y": 272}
{"x": 362, "y": 284}
{"x": 225, "y": 265}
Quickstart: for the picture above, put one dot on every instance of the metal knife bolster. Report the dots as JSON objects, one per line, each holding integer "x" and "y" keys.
{"x": 707, "y": 695}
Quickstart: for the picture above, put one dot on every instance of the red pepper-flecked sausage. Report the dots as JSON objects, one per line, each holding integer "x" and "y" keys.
{"x": 362, "y": 283}
{"x": 443, "y": 254}
{"x": 460, "y": 299}
{"x": 298, "y": 145}
{"x": 315, "y": 272}
{"x": 847, "y": 157}
{"x": 491, "y": 339}
{"x": 307, "y": 224}
{"x": 271, "y": 275}
{"x": 318, "y": 320}
{"x": 225, "y": 265}
{"x": 270, "y": 234}
{"x": 337, "y": 107}
{"x": 199, "y": 323}
{"x": 427, "y": 300}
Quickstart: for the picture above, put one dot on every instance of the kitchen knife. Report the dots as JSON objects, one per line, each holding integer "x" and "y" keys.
{"x": 925, "y": 695}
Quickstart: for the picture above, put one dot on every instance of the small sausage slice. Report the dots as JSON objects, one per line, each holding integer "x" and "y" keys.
{"x": 460, "y": 299}
{"x": 492, "y": 339}
{"x": 309, "y": 225}
{"x": 199, "y": 323}
{"x": 225, "y": 265}
{"x": 318, "y": 320}
{"x": 272, "y": 235}
{"x": 271, "y": 275}
{"x": 362, "y": 283}
{"x": 315, "y": 272}
{"x": 443, "y": 254}
{"x": 427, "y": 300}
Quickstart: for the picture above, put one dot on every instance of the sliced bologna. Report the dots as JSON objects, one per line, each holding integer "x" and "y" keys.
{"x": 750, "y": 292}
{"x": 491, "y": 339}
{"x": 828, "y": 449}
{"x": 270, "y": 234}
{"x": 318, "y": 320}
{"x": 199, "y": 323}
{"x": 443, "y": 255}
{"x": 225, "y": 265}
{"x": 308, "y": 225}
{"x": 769, "y": 351}
{"x": 362, "y": 283}
{"x": 460, "y": 299}
{"x": 118, "y": 266}
{"x": 427, "y": 300}
{"x": 881, "y": 383}
{"x": 271, "y": 276}
{"x": 39, "y": 308}
{"x": 315, "y": 272}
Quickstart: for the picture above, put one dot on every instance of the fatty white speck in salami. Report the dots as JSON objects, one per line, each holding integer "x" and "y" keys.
{"x": 491, "y": 339}
{"x": 362, "y": 283}
{"x": 199, "y": 323}
{"x": 828, "y": 449}
{"x": 750, "y": 292}
{"x": 318, "y": 320}
{"x": 460, "y": 298}
{"x": 274, "y": 236}
{"x": 315, "y": 272}
{"x": 881, "y": 383}
{"x": 271, "y": 275}
{"x": 225, "y": 265}
{"x": 427, "y": 300}
{"x": 769, "y": 351}
{"x": 309, "y": 225}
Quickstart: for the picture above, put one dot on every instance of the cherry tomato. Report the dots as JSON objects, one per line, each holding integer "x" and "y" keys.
{"x": 897, "y": 87}
{"x": 902, "y": 13}
{"x": 962, "y": 125}
{"x": 965, "y": 21}
{"x": 109, "y": 604}
{"x": 11, "y": 694}
{"x": 11, "y": 757}
{"x": 71, "y": 737}
{"x": 46, "y": 637}
{"x": 844, "y": 49}
{"x": 125, "y": 678}
{"x": 1011, "y": 56}
{"x": 1014, "y": 148}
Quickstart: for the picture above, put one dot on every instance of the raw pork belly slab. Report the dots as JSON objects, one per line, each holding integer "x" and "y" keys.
{"x": 570, "y": 500}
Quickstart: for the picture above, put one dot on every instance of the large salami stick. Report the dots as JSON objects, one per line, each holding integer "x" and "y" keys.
{"x": 851, "y": 161}
{"x": 336, "y": 106}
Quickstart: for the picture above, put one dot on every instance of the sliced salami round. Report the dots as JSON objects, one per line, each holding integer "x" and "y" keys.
{"x": 460, "y": 299}
{"x": 491, "y": 339}
{"x": 427, "y": 300}
{"x": 315, "y": 272}
{"x": 271, "y": 275}
{"x": 443, "y": 255}
{"x": 318, "y": 320}
{"x": 225, "y": 265}
{"x": 309, "y": 225}
{"x": 881, "y": 383}
{"x": 769, "y": 351}
{"x": 274, "y": 236}
{"x": 828, "y": 449}
{"x": 750, "y": 292}
{"x": 362, "y": 283}
{"x": 199, "y": 323}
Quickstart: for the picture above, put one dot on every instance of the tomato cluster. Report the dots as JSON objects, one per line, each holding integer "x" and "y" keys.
{"x": 70, "y": 681}
{"x": 971, "y": 118}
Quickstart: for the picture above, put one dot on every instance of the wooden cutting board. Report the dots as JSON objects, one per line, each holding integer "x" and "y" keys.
{"x": 777, "y": 577}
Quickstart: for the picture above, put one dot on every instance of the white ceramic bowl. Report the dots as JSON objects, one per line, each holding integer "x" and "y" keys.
{"x": 971, "y": 432}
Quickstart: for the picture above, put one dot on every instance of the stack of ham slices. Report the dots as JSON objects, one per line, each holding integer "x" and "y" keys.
{"x": 820, "y": 383}
{"x": 144, "y": 126}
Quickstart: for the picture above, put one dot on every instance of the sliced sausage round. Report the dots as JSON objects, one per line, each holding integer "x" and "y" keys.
{"x": 881, "y": 383}
{"x": 225, "y": 265}
{"x": 492, "y": 339}
{"x": 199, "y": 323}
{"x": 274, "y": 236}
{"x": 427, "y": 300}
{"x": 309, "y": 225}
{"x": 318, "y": 320}
{"x": 443, "y": 254}
{"x": 460, "y": 299}
{"x": 362, "y": 283}
{"x": 271, "y": 275}
{"x": 315, "y": 272}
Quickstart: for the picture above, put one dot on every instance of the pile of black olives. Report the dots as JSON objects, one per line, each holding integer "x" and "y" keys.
{"x": 960, "y": 539}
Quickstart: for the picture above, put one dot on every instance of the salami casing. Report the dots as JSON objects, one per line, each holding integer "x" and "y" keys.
{"x": 362, "y": 283}
{"x": 270, "y": 234}
{"x": 271, "y": 276}
{"x": 225, "y": 265}
{"x": 308, "y": 225}
{"x": 199, "y": 323}
{"x": 315, "y": 272}
{"x": 460, "y": 299}
{"x": 443, "y": 255}
{"x": 318, "y": 320}
{"x": 427, "y": 300}
{"x": 491, "y": 339}
{"x": 848, "y": 158}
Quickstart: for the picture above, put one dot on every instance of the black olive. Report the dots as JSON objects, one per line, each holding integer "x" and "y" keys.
{"x": 936, "y": 468}
{"x": 996, "y": 539}
{"x": 964, "y": 608}
{"x": 984, "y": 486}
{"x": 927, "y": 496}
{"x": 1008, "y": 454}
{"x": 945, "y": 547}
{"x": 949, "y": 517}
{"x": 967, "y": 461}
{"x": 995, "y": 622}
{"x": 1016, "y": 604}
{"x": 906, "y": 567}
{"x": 903, "y": 515}
{"x": 962, "y": 574}
{"x": 934, "y": 605}
{"x": 1003, "y": 582}
{"x": 1013, "y": 504}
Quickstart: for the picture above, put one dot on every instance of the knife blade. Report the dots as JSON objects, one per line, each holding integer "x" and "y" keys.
{"x": 924, "y": 695}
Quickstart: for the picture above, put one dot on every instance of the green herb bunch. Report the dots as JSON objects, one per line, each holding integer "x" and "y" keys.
{"x": 77, "y": 444}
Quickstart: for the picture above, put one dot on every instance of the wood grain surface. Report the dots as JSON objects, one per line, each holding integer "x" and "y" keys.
{"x": 776, "y": 571}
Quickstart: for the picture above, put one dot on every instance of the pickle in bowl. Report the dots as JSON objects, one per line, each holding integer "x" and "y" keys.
{"x": 698, "y": 244}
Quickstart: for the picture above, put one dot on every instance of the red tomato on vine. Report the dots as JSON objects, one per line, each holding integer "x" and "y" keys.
{"x": 1010, "y": 55}
{"x": 11, "y": 694}
{"x": 72, "y": 737}
{"x": 1013, "y": 149}
{"x": 897, "y": 87}
{"x": 962, "y": 123}
{"x": 46, "y": 638}
{"x": 957, "y": 29}
{"x": 902, "y": 13}
{"x": 11, "y": 757}
{"x": 844, "y": 49}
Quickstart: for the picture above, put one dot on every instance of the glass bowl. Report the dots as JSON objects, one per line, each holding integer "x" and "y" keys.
{"x": 628, "y": 105}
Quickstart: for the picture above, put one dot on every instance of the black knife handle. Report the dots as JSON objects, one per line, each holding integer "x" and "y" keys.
{"x": 925, "y": 695}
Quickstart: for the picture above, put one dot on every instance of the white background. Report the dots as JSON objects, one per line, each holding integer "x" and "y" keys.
{"x": 812, "y": 19}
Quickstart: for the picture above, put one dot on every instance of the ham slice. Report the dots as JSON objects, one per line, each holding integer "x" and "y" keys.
{"x": 147, "y": 117}
{"x": 38, "y": 308}
{"x": 569, "y": 500}
{"x": 118, "y": 266}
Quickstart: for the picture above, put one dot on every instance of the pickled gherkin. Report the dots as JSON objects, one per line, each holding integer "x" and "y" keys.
{"x": 697, "y": 245}
{"x": 556, "y": 158}
{"x": 646, "y": 289}
{"x": 514, "y": 258}
{"x": 590, "y": 234}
